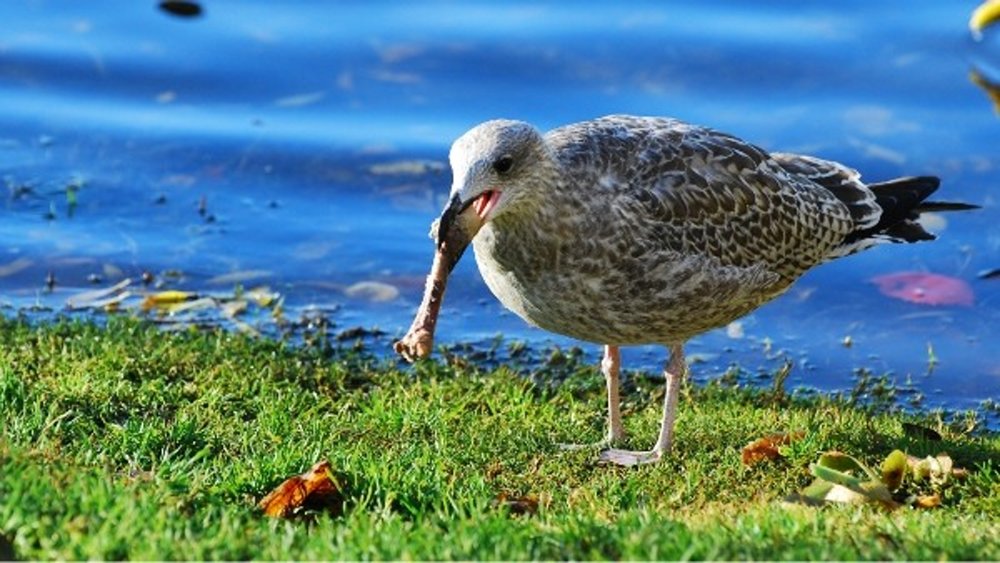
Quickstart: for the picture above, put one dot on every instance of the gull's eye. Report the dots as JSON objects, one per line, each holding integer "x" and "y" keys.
{"x": 502, "y": 165}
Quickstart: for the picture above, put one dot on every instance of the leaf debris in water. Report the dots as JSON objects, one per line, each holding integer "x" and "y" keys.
{"x": 98, "y": 298}
{"x": 241, "y": 276}
{"x": 14, "y": 267}
{"x": 166, "y": 299}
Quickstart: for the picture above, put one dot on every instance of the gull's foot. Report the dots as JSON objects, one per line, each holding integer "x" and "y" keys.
{"x": 577, "y": 447}
{"x": 416, "y": 344}
{"x": 628, "y": 458}
{"x": 604, "y": 444}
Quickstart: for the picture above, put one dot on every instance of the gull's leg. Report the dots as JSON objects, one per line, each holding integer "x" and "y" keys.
{"x": 674, "y": 374}
{"x": 610, "y": 366}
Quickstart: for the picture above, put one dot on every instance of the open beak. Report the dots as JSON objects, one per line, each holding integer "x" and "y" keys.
{"x": 460, "y": 222}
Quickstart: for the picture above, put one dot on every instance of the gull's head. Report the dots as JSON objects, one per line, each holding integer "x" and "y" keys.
{"x": 494, "y": 166}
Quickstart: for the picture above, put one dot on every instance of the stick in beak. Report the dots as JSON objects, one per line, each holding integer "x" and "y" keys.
{"x": 455, "y": 229}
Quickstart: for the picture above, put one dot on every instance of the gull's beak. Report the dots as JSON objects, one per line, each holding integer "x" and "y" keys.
{"x": 460, "y": 222}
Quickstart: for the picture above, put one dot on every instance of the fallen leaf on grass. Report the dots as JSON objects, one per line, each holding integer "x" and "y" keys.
{"x": 938, "y": 469}
{"x": 518, "y": 505}
{"x": 928, "y": 501}
{"x": 315, "y": 489}
{"x": 851, "y": 488}
{"x": 768, "y": 447}
{"x": 894, "y": 470}
{"x": 843, "y": 479}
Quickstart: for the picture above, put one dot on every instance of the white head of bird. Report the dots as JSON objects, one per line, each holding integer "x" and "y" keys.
{"x": 495, "y": 166}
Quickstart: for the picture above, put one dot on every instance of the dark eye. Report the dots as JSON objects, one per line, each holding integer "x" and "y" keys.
{"x": 502, "y": 165}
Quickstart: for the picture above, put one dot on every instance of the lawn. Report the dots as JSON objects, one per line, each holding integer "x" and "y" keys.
{"x": 124, "y": 441}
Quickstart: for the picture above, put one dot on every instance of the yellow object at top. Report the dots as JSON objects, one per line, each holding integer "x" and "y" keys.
{"x": 983, "y": 16}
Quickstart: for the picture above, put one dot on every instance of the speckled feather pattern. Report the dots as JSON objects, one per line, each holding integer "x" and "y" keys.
{"x": 649, "y": 230}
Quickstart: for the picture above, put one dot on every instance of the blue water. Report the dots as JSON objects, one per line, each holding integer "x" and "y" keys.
{"x": 303, "y": 145}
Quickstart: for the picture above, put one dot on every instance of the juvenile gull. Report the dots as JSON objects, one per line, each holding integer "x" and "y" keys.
{"x": 637, "y": 230}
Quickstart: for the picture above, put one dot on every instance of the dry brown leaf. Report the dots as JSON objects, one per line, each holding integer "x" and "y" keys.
{"x": 315, "y": 489}
{"x": 928, "y": 501}
{"x": 768, "y": 447}
{"x": 527, "y": 504}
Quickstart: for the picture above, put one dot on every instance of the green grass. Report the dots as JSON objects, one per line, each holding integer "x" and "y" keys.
{"x": 126, "y": 442}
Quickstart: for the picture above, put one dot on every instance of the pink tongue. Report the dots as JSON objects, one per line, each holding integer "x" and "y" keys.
{"x": 485, "y": 202}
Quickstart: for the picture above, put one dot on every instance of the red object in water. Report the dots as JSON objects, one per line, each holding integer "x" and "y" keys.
{"x": 925, "y": 288}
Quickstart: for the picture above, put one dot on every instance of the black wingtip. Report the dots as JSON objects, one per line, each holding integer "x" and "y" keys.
{"x": 902, "y": 201}
{"x": 946, "y": 206}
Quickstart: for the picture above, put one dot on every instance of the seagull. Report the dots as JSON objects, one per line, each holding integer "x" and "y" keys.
{"x": 629, "y": 230}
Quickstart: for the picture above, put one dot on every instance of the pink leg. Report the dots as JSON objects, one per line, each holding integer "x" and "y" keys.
{"x": 610, "y": 366}
{"x": 674, "y": 374}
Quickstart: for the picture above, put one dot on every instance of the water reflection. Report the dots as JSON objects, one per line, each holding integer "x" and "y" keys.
{"x": 314, "y": 138}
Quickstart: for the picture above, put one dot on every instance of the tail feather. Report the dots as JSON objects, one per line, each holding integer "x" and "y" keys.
{"x": 902, "y": 201}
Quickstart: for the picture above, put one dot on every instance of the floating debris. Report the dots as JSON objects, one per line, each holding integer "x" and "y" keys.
{"x": 735, "y": 330}
{"x": 181, "y": 8}
{"x": 99, "y": 298}
{"x": 239, "y": 277}
{"x": 410, "y": 167}
{"x": 989, "y": 274}
{"x": 166, "y": 299}
{"x": 11, "y": 268}
{"x": 300, "y": 100}
{"x": 991, "y": 87}
{"x": 925, "y": 288}
{"x": 376, "y": 292}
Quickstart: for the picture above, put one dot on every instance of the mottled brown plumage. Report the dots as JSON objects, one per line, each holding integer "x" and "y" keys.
{"x": 633, "y": 230}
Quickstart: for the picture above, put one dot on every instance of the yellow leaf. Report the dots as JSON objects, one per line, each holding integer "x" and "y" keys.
{"x": 893, "y": 469}
{"x": 986, "y": 14}
{"x": 165, "y": 299}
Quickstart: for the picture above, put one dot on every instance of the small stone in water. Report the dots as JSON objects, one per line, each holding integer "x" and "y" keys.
{"x": 376, "y": 292}
{"x": 734, "y": 330}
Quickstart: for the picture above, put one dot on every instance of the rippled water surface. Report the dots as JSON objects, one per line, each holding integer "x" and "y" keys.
{"x": 302, "y": 145}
